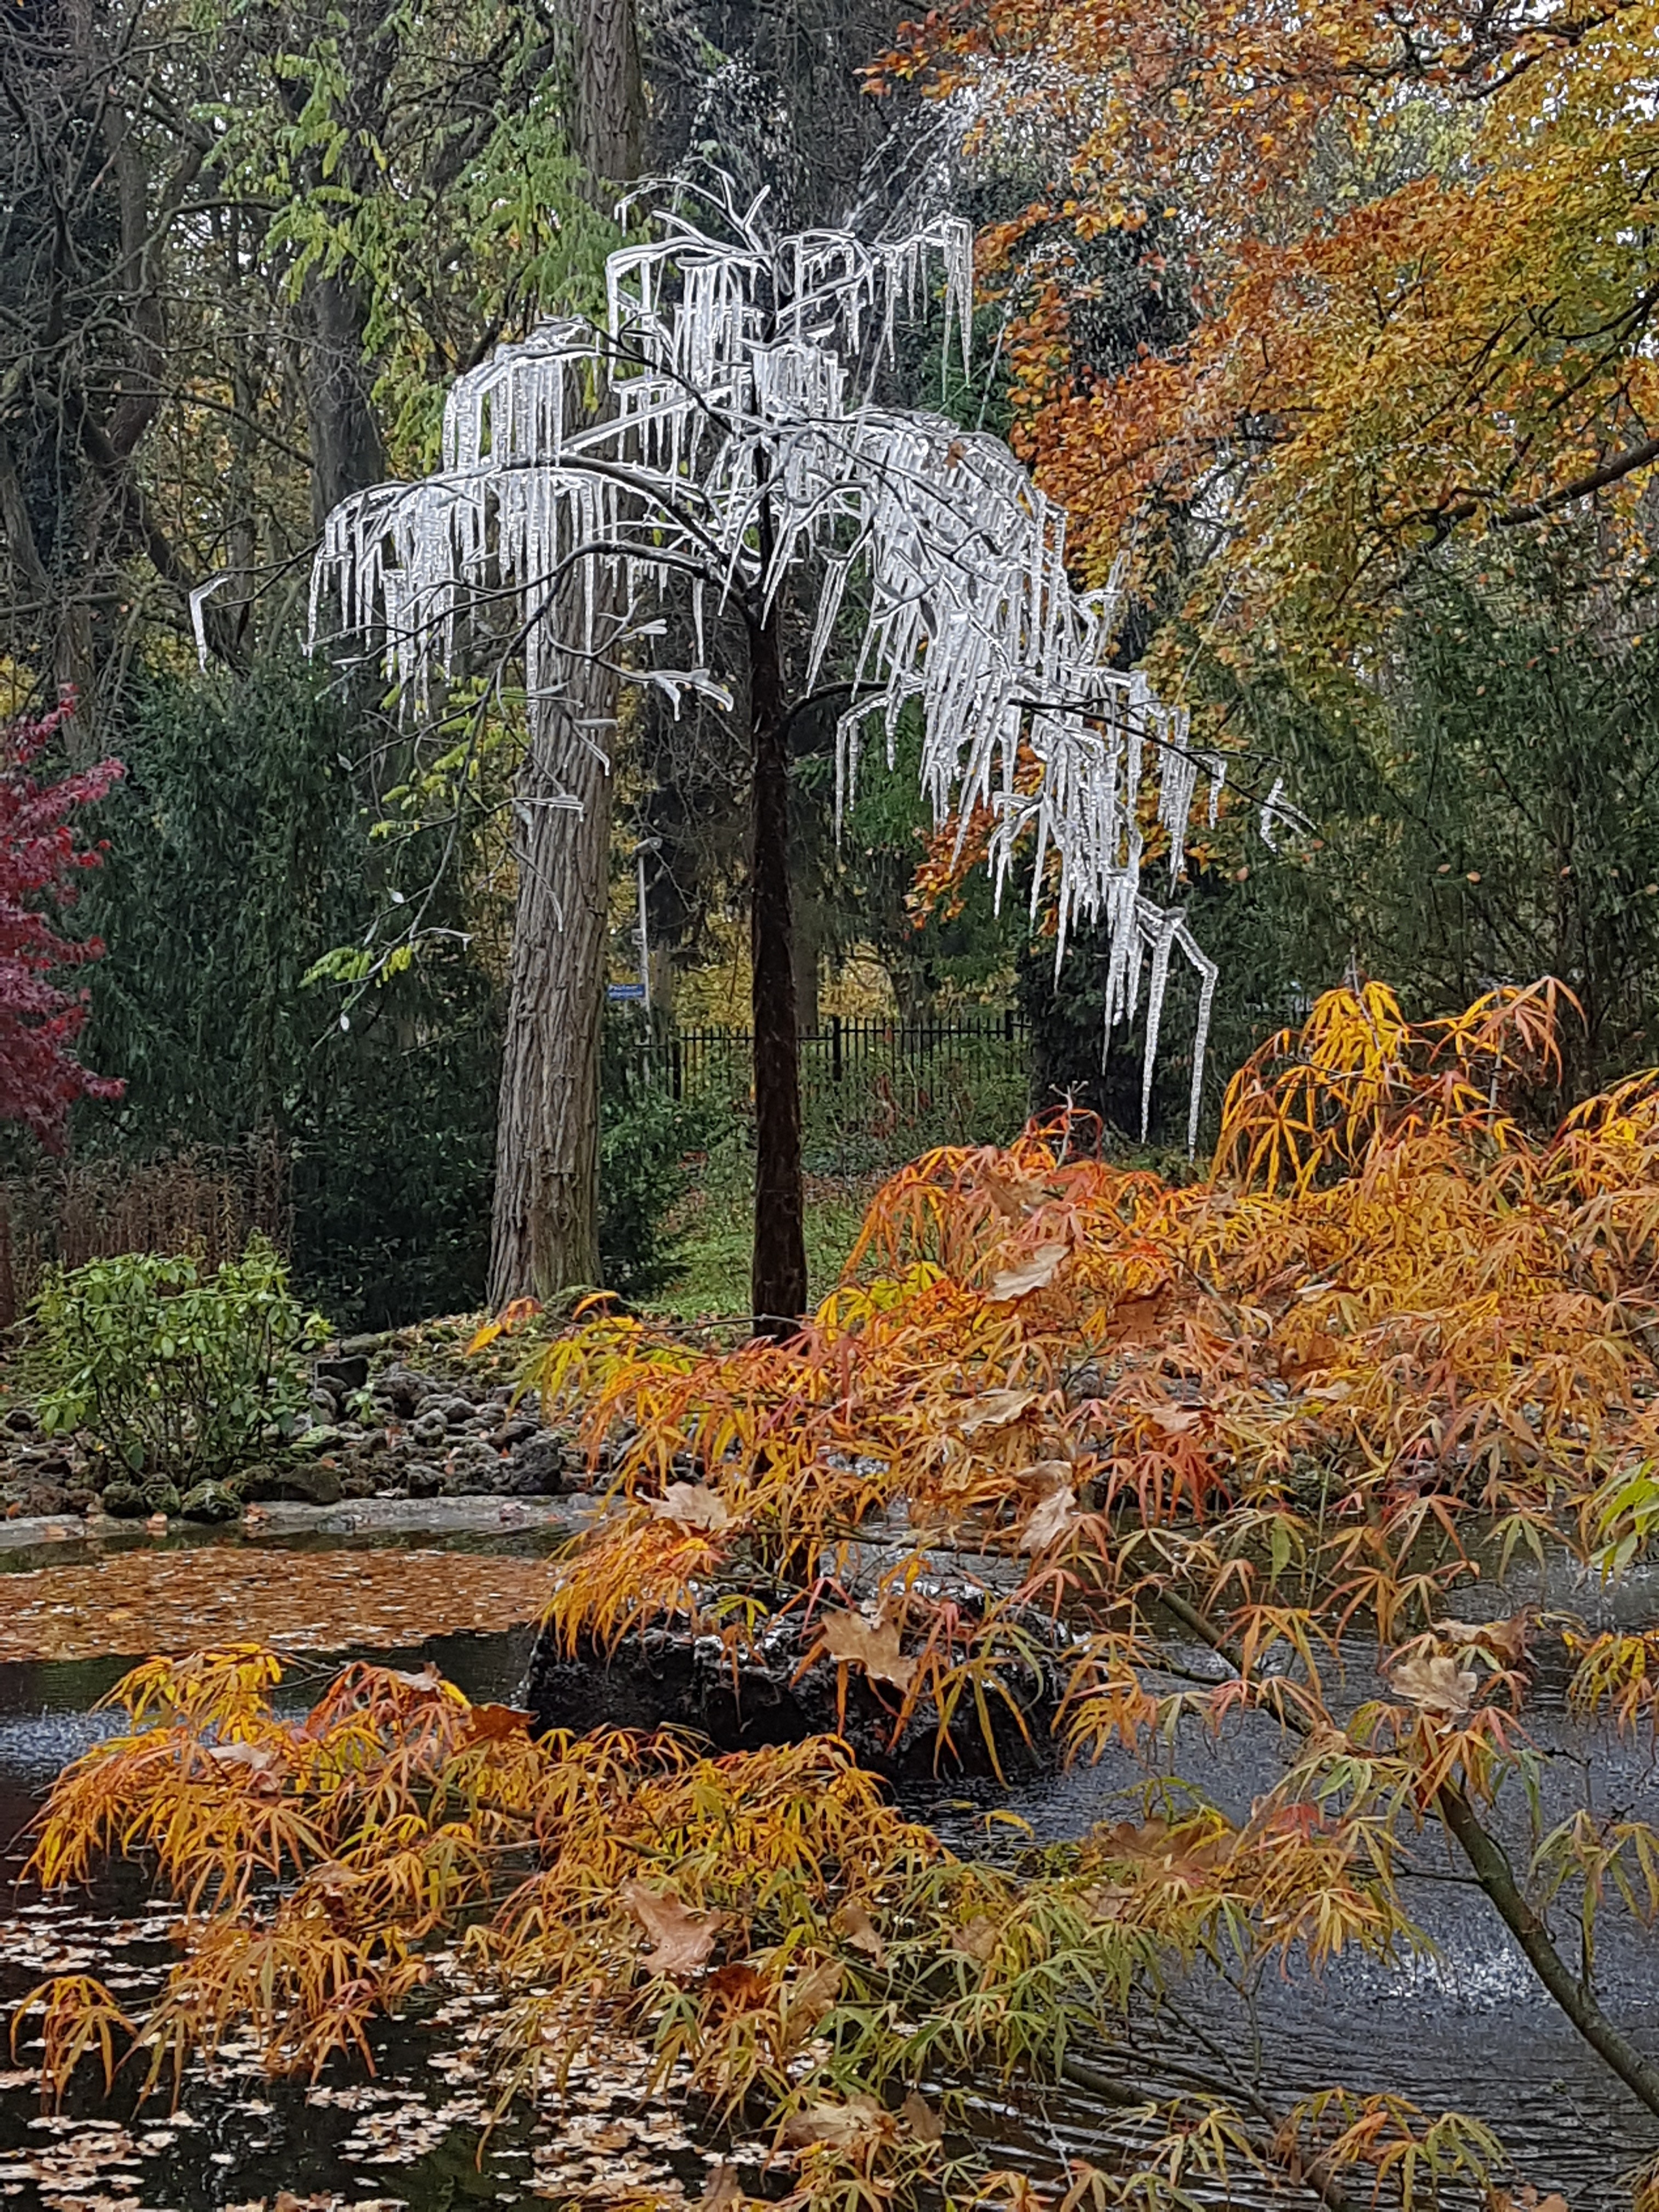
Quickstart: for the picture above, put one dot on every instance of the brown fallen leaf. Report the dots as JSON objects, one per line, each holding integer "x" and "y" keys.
{"x": 156, "y": 1523}
{"x": 1506, "y": 1640}
{"x": 681, "y": 1940}
{"x": 1105, "y": 1900}
{"x": 850, "y": 1640}
{"x": 495, "y": 1723}
{"x": 994, "y": 1409}
{"x": 923, "y": 2122}
{"x": 722, "y": 2190}
{"x": 1139, "y": 1321}
{"x": 1033, "y": 1273}
{"x": 855, "y": 2121}
{"x": 1053, "y": 1517}
{"x": 1182, "y": 1854}
{"x": 815, "y": 1992}
{"x": 860, "y": 1931}
{"x": 256, "y": 1760}
{"x": 977, "y": 1938}
{"x": 1437, "y": 1686}
{"x": 427, "y": 1681}
{"x": 693, "y": 1506}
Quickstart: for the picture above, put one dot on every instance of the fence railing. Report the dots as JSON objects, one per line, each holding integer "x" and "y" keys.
{"x": 840, "y": 1055}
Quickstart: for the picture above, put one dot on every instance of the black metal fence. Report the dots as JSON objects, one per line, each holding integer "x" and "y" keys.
{"x": 841, "y": 1057}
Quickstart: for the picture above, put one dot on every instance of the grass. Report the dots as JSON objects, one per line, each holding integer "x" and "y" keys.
{"x": 848, "y": 1155}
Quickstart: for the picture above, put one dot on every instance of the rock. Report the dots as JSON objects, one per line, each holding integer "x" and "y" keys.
{"x": 537, "y": 1466}
{"x": 359, "y": 1482}
{"x": 430, "y": 1428}
{"x": 424, "y": 1480}
{"x": 20, "y": 1421}
{"x": 210, "y": 1501}
{"x": 344, "y": 1371}
{"x": 322, "y": 1439}
{"x": 325, "y": 1403}
{"x": 403, "y": 1389}
{"x": 294, "y": 1485}
{"x": 518, "y": 1431}
{"x": 667, "y": 1678}
{"x": 42, "y": 1499}
{"x": 456, "y": 1410}
{"x": 136, "y": 1501}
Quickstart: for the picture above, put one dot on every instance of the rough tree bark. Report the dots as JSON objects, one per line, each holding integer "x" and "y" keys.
{"x": 544, "y": 1232}
{"x": 545, "y": 1229}
{"x": 778, "y": 1282}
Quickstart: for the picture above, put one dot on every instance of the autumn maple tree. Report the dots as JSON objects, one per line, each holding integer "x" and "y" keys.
{"x": 1243, "y": 1453}
{"x": 1410, "y": 254}
{"x": 41, "y": 1077}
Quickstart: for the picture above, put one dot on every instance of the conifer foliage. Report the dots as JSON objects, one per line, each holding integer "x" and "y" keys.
{"x": 41, "y": 1077}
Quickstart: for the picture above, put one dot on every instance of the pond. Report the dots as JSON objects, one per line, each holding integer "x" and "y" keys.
{"x": 1464, "y": 2026}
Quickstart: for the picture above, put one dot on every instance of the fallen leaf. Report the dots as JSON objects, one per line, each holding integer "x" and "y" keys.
{"x": 1504, "y": 1639}
{"x": 1139, "y": 1320}
{"x": 694, "y": 1506}
{"x": 427, "y": 1681}
{"x": 1053, "y": 1517}
{"x": 1437, "y": 1686}
{"x": 815, "y": 1993}
{"x": 1105, "y": 1900}
{"x": 1034, "y": 1272}
{"x": 978, "y": 1938}
{"x": 1184, "y": 1854}
{"x": 495, "y": 1723}
{"x": 722, "y": 2190}
{"x": 923, "y": 2122}
{"x": 859, "y": 2118}
{"x": 850, "y": 1639}
{"x": 156, "y": 1523}
{"x": 994, "y": 1409}
{"x": 681, "y": 1940}
{"x": 860, "y": 1931}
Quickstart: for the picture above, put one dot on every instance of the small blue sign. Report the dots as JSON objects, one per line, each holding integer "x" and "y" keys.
{"x": 625, "y": 990}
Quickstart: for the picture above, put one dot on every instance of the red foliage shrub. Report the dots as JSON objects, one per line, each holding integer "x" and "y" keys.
{"x": 41, "y": 1078}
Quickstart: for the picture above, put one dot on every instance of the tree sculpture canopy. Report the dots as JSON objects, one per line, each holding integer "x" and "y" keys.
{"x": 740, "y": 443}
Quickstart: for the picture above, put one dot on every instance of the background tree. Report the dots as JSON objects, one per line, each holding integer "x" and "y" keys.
{"x": 741, "y": 447}
{"x": 40, "y": 1074}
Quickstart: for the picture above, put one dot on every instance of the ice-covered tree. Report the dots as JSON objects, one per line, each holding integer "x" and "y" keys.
{"x": 744, "y": 459}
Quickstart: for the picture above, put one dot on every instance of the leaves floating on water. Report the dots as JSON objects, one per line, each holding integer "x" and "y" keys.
{"x": 139, "y": 1602}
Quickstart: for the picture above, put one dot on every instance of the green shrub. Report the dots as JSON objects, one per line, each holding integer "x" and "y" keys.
{"x": 643, "y": 1139}
{"x": 171, "y": 1374}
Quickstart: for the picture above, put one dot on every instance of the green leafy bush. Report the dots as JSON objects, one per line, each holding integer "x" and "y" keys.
{"x": 173, "y": 1374}
{"x": 644, "y": 1136}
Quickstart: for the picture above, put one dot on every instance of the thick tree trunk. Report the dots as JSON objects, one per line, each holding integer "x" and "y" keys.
{"x": 778, "y": 1283}
{"x": 346, "y": 454}
{"x": 544, "y": 1232}
{"x": 610, "y": 116}
{"x": 545, "y": 1227}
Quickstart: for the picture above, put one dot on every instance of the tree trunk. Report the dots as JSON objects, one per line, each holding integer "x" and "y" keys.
{"x": 545, "y": 1234}
{"x": 778, "y": 1284}
{"x": 346, "y": 454}
{"x": 610, "y": 116}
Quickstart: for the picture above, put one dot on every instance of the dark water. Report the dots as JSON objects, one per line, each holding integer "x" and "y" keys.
{"x": 1460, "y": 2026}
